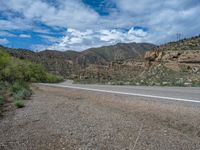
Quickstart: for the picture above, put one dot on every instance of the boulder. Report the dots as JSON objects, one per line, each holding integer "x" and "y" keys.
{"x": 151, "y": 55}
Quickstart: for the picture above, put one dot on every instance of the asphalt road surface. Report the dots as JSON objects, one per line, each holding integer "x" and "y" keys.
{"x": 183, "y": 94}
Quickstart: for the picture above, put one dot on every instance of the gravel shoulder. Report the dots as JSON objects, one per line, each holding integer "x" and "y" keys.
{"x": 58, "y": 118}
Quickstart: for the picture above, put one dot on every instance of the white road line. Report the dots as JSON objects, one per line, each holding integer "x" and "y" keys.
{"x": 125, "y": 93}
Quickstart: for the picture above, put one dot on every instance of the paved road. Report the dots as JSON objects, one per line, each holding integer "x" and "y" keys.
{"x": 186, "y": 94}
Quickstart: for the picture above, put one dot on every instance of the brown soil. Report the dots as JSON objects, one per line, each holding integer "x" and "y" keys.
{"x": 59, "y": 118}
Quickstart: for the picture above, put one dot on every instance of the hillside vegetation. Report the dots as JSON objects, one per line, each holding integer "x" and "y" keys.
{"x": 15, "y": 76}
{"x": 67, "y": 63}
{"x": 192, "y": 43}
{"x": 172, "y": 64}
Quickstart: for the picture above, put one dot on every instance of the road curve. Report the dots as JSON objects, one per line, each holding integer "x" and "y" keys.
{"x": 184, "y": 94}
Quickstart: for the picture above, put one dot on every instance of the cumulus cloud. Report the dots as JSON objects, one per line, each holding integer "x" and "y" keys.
{"x": 81, "y": 40}
{"x": 88, "y": 28}
{"x": 164, "y": 18}
{"x": 67, "y": 14}
{"x": 4, "y": 41}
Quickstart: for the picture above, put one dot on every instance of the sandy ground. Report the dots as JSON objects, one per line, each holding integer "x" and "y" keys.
{"x": 68, "y": 119}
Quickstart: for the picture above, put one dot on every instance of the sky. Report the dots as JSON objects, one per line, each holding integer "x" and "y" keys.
{"x": 82, "y": 24}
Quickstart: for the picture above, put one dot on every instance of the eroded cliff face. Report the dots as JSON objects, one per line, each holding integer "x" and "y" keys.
{"x": 172, "y": 64}
{"x": 168, "y": 68}
{"x": 181, "y": 56}
{"x": 181, "y": 60}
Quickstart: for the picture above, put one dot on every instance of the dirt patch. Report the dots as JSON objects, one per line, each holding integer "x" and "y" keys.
{"x": 59, "y": 118}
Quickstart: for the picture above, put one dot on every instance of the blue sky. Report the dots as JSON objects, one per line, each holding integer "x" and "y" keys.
{"x": 81, "y": 24}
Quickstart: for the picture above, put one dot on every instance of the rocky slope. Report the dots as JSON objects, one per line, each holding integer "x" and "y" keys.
{"x": 192, "y": 43}
{"x": 69, "y": 62}
{"x": 183, "y": 66}
{"x": 175, "y": 63}
{"x": 171, "y": 64}
{"x": 106, "y": 54}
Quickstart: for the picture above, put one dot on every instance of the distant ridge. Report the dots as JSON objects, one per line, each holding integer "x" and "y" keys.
{"x": 67, "y": 62}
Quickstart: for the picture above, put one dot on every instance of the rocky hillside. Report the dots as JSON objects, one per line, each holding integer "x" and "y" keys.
{"x": 69, "y": 62}
{"x": 184, "y": 44}
{"x": 171, "y": 64}
{"x": 119, "y": 51}
{"x": 180, "y": 59}
{"x": 174, "y": 55}
{"x": 174, "y": 64}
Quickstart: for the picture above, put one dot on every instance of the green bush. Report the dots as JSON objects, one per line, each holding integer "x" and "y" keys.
{"x": 18, "y": 86}
{"x": 19, "y": 104}
{"x": 20, "y": 90}
{"x": 22, "y": 94}
{"x": 12, "y": 70}
{"x": 2, "y": 86}
{"x": 23, "y": 71}
{"x": 53, "y": 79}
{"x": 36, "y": 73}
{"x": 4, "y": 59}
{"x": 1, "y": 101}
{"x": 15, "y": 76}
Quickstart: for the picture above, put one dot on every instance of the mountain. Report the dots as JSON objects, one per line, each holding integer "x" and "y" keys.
{"x": 69, "y": 62}
{"x": 173, "y": 64}
{"x": 106, "y": 54}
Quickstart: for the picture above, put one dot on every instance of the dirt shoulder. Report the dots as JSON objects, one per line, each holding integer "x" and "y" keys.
{"x": 59, "y": 118}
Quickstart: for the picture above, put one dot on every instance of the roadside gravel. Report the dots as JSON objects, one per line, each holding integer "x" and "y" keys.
{"x": 58, "y": 118}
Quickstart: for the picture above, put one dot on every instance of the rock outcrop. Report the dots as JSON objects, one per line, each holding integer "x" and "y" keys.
{"x": 184, "y": 56}
{"x": 172, "y": 64}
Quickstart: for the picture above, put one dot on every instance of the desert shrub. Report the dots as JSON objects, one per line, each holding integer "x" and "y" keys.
{"x": 19, "y": 104}
{"x": 15, "y": 76}
{"x": 17, "y": 86}
{"x": 1, "y": 101}
{"x": 53, "y": 78}
{"x": 12, "y": 70}
{"x": 4, "y": 59}
{"x": 2, "y": 86}
{"x": 23, "y": 71}
{"x": 36, "y": 73}
{"x": 22, "y": 94}
{"x": 20, "y": 90}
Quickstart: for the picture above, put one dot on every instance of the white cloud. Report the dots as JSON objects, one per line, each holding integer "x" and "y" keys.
{"x": 7, "y": 34}
{"x": 68, "y": 14}
{"x": 139, "y": 7}
{"x": 50, "y": 38}
{"x": 163, "y": 18}
{"x": 86, "y": 28}
{"x": 81, "y": 40}
{"x": 4, "y": 41}
{"x": 24, "y": 36}
{"x": 15, "y": 24}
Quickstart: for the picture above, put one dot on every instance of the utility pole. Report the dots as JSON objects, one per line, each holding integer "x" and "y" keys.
{"x": 178, "y": 36}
